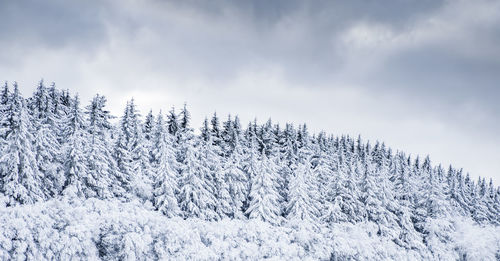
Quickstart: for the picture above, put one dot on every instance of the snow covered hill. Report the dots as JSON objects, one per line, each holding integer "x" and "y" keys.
{"x": 73, "y": 185}
{"x": 96, "y": 229}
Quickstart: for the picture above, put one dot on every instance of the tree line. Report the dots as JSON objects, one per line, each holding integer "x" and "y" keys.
{"x": 53, "y": 147}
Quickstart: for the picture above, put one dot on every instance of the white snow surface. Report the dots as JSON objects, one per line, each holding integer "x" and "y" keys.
{"x": 96, "y": 229}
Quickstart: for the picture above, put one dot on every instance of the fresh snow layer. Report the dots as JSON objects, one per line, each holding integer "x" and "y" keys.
{"x": 93, "y": 229}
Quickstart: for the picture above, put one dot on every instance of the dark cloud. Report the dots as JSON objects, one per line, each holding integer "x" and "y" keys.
{"x": 52, "y": 24}
{"x": 405, "y": 71}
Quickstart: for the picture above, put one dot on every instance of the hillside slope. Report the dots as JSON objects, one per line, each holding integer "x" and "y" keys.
{"x": 116, "y": 190}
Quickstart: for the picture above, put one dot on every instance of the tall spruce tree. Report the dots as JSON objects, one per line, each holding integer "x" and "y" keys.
{"x": 212, "y": 161}
{"x": 46, "y": 143}
{"x": 75, "y": 163}
{"x": 21, "y": 180}
{"x": 264, "y": 196}
{"x": 4, "y": 108}
{"x": 148, "y": 131}
{"x": 235, "y": 177}
{"x": 185, "y": 134}
{"x": 408, "y": 236}
{"x": 104, "y": 179}
{"x": 132, "y": 155}
{"x": 172, "y": 122}
{"x": 288, "y": 152}
{"x": 164, "y": 169}
{"x": 303, "y": 203}
{"x": 196, "y": 198}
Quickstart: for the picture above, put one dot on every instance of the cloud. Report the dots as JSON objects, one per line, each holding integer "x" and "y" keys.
{"x": 422, "y": 78}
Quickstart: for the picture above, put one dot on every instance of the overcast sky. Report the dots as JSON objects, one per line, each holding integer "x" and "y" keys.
{"x": 423, "y": 76}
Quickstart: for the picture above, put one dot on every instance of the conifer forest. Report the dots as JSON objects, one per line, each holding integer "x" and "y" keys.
{"x": 77, "y": 184}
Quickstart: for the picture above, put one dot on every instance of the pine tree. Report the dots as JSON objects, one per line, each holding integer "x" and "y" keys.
{"x": 46, "y": 143}
{"x": 238, "y": 129}
{"x": 267, "y": 140}
{"x": 212, "y": 161}
{"x": 215, "y": 130}
{"x": 424, "y": 174}
{"x": 324, "y": 172}
{"x": 480, "y": 210}
{"x": 466, "y": 191}
{"x": 131, "y": 154}
{"x": 185, "y": 134}
{"x": 347, "y": 194}
{"x": 302, "y": 202}
{"x": 104, "y": 179}
{"x": 437, "y": 205}
{"x": 185, "y": 118}
{"x": 75, "y": 163}
{"x": 403, "y": 190}
{"x": 123, "y": 157}
{"x": 165, "y": 185}
{"x": 332, "y": 212}
{"x": 60, "y": 107}
{"x": 205, "y": 131}
{"x": 236, "y": 180}
{"x": 172, "y": 122}
{"x": 370, "y": 194}
{"x": 456, "y": 201}
{"x": 288, "y": 152}
{"x": 497, "y": 203}
{"x": 4, "y": 108}
{"x": 490, "y": 202}
{"x": 4, "y": 119}
{"x": 228, "y": 134}
{"x": 148, "y": 131}
{"x": 196, "y": 194}
{"x": 21, "y": 181}
{"x": 5, "y": 94}
{"x": 149, "y": 126}
{"x": 264, "y": 197}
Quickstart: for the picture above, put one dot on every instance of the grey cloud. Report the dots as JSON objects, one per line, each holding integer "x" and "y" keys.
{"x": 52, "y": 24}
{"x": 84, "y": 25}
{"x": 176, "y": 48}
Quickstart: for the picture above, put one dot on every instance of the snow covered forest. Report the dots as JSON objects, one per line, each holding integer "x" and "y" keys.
{"x": 75, "y": 185}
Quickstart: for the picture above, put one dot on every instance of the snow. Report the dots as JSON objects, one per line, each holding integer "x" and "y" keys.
{"x": 95, "y": 229}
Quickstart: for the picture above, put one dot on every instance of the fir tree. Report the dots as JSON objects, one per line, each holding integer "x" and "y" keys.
{"x": 165, "y": 185}
{"x": 75, "y": 163}
{"x": 288, "y": 151}
{"x": 104, "y": 179}
{"x": 4, "y": 109}
{"x": 437, "y": 205}
{"x": 302, "y": 202}
{"x": 185, "y": 134}
{"x": 236, "y": 180}
{"x": 215, "y": 130}
{"x": 347, "y": 196}
{"x": 264, "y": 197}
{"x": 369, "y": 196}
{"x": 46, "y": 143}
{"x": 149, "y": 126}
{"x": 21, "y": 180}
{"x": 480, "y": 210}
{"x": 196, "y": 197}
{"x": 185, "y": 118}
{"x": 131, "y": 154}
{"x": 172, "y": 122}
{"x": 212, "y": 162}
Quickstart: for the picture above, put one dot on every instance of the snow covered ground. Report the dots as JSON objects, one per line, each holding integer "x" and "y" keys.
{"x": 95, "y": 229}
